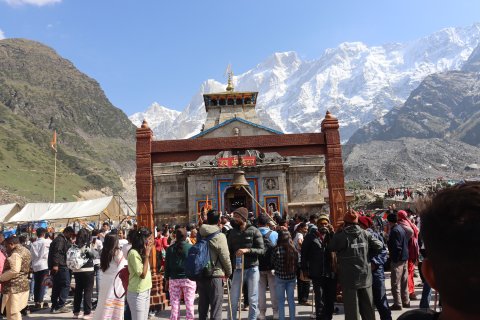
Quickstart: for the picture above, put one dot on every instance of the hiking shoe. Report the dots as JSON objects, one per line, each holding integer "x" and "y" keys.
{"x": 413, "y": 296}
{"x": 395, "y": 307}
{"x": 61, "y": 310}
{"x": 406, "y": 305}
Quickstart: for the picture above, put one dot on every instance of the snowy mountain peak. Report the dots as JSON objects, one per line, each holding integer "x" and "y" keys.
{"x": 158, "y": 117}
{"x": 357, "y": 83}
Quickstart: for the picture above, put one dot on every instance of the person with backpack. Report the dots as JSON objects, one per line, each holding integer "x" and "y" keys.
{"x": 318, "y": 264}
{"x": 378, "y": 275}
{"x": 177, "y": 281}
{"x": 83, "y": 273}
{"x": 57, "y": 263}
{"x": 267, "y": 278}
{"x": 111, "y": 262}
{"x": 353, "y": 245}
{"x": 140, "y": 277}
{"x": 210, "y": 287}
{"x": 285, "y": 262}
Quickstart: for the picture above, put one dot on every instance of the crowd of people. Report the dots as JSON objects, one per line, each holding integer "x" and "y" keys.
{"x": 249, "y": 256}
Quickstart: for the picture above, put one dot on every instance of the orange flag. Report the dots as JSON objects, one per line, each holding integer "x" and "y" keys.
{"x": 53, "y": 143}
{"x": 206, "y": 207}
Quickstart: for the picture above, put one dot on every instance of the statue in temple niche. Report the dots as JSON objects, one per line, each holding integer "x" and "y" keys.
{"x": 236, "y": 132}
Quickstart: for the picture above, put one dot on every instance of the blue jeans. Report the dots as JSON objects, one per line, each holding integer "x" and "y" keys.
{"x": 380, "y": 294}
{"x": 38, "y": 288}
{"x": 252, "y": 277}
{"x": 61, "y": 287}
{"x": 288, "y": 286}
{"x": 426, "y": 296}
{"x": 97, "y": 278}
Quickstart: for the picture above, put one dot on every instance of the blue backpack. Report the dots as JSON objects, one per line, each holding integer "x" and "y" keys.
{"x": 198, "y": 263}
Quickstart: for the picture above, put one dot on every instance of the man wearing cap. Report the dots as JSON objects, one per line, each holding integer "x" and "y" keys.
{"x": 353, "y": 247}
{"x": 245, "y": 241}
{"x": 378, "y": 275}
{"x": 317, "y": 264}
{"x": 398, "y": 248}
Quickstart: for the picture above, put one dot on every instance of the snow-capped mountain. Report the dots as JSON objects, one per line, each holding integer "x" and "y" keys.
{"x": 357, "y": 83}
{"x": 159, "y": 118}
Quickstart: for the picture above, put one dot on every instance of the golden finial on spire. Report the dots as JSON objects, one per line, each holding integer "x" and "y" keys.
{"x": 229, "y": 73}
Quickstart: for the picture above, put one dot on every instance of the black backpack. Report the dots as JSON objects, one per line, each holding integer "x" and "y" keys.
{"x": 265, "y": 260}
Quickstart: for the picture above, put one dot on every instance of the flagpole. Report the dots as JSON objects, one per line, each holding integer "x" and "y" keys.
{"x": 55, "y": 177}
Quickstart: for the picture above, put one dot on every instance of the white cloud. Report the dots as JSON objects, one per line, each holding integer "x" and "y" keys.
{"x": 2, "y": 35}
{"x": 38, "y": 3}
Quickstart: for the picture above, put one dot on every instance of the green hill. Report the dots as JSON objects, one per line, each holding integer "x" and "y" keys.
{"x": 41, "y": 92}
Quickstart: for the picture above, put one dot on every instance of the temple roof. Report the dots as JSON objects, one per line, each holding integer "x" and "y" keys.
{"x": 233, "y": 120}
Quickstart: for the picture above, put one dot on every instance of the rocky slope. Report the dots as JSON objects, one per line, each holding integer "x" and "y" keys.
{"x": 445, "y": 105}
{"x": 408, "y": 161}
{"x": 435, "y": 133}
{"x": 357, "y": 82}
{"x": 41, "y": 92}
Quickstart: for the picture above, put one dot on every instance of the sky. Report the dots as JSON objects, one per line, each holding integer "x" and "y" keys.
{"x": 147, "y": 51}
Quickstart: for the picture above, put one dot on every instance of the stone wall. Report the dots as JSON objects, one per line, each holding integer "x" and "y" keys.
{"x": 306, "y": 182}
{"x": 170, "y": 190}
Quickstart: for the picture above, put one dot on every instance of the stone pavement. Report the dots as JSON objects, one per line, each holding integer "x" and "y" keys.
{"x": 302, "y": 312}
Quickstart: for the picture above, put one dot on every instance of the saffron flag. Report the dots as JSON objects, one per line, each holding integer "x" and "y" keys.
{"x": 53, "y": 143}
{"x": 206, "y": 206}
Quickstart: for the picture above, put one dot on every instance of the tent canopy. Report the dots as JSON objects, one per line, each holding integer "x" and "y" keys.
{"x": 8, "y": 210}
{"x": 104, "y": 208}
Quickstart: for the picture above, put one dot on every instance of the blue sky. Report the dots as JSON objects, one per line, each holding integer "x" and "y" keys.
{"x": 157, "y": 50}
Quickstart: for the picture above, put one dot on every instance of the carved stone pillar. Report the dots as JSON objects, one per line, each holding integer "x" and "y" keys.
{"x": 334, "y": 169}
{"x": 144, "y": 184}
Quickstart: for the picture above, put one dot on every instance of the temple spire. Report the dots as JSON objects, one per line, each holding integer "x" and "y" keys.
{"x": 229, "y": 73}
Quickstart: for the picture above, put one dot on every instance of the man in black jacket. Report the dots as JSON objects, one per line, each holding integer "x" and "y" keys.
{"x": 398, "y": 249}
{"x": 317, "y": 264}
{"x": 57, "y": 263}
{"x": 245, "y": 241}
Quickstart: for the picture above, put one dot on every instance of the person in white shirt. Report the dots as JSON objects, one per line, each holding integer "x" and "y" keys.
{"x": 39, "y": 251}
{"x": 104, "y": 231}
{"x": 121, "y": 239}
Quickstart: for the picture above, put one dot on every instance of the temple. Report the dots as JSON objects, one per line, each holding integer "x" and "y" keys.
{"x": 177, "y": 179}
{"x": 288, "y": 184}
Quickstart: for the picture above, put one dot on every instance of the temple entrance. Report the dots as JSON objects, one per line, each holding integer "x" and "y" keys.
{"x": 236, "y": 198}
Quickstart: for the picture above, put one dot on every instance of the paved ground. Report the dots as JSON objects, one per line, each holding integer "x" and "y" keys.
{"x": 302, "y": 311}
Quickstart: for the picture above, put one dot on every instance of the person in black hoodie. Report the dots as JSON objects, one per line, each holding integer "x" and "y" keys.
{"x": 247, "y": 241}
{"x": 84, "y": 277}
{"x": 57, "y": 263}
{"x": 317, "y": 264}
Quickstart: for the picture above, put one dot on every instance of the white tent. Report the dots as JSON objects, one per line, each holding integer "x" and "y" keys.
{"x": 103, "y": 208}
{"x": 8, "y": 210}
{"x": 31, "y": 212}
